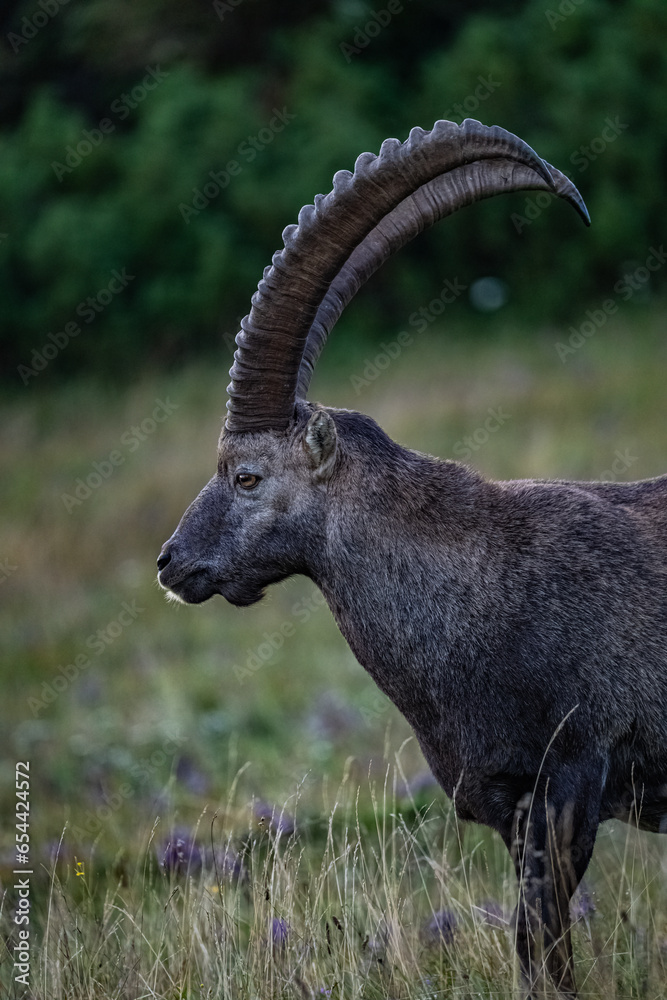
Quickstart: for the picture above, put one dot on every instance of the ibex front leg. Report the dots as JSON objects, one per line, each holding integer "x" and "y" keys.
{"x": 551, "y": 845}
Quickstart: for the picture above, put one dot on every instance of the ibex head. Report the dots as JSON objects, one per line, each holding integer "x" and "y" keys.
{"x": 254, "y": 522}
{"x": 263, "y": 516}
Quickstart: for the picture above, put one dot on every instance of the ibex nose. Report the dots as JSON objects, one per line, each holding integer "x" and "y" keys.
{"x": 164, "y": 558}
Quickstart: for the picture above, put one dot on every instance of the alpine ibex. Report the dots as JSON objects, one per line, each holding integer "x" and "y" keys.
{"x": 520, "y": 627}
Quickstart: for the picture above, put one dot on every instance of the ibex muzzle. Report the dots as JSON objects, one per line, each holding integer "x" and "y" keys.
{"x": 520, "y": 627}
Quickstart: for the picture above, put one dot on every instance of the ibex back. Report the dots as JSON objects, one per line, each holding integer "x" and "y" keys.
{"x": 520, "y": 627}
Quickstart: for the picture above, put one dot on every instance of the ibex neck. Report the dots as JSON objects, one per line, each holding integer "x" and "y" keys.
{"x": 407, "y": 548}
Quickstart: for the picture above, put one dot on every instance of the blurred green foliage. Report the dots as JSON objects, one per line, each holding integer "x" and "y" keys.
{"x": 116, "y": 115}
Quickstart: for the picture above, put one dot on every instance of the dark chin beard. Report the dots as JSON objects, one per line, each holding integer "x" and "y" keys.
{"x": 242, "y": 594}
{"x": 244, "y": 600}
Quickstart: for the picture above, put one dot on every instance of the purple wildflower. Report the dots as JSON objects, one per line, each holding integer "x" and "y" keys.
{"x": 275, "y": 820}
{"x": 180, "y": 854}
{"x": 581, "y": 904}
{"x": 441, "y": 928}
{"x": 279, "y": 932}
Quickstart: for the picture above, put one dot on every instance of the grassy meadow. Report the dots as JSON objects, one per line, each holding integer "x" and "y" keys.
{"x": 225, "y": 807}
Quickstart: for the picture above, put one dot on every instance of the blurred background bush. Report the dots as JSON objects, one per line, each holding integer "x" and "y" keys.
{"x": 100, "y": 171}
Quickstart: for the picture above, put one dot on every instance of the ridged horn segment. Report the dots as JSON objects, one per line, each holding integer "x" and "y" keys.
{"x": 273, "y": 336}
{"x": 432, "y": 202}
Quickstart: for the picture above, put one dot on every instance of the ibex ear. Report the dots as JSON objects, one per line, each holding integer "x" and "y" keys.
{"x": 320, "y": 443}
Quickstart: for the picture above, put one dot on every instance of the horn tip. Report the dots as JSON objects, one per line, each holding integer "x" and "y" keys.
{"x": 584, "y": 213}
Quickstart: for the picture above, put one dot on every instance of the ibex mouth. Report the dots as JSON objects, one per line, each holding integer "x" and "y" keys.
{"x": 195, "y": 587}
{"x": 199, "y": 585}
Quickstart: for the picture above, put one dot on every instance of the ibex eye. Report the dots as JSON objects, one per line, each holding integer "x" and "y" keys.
{"x": 247, "y": 481}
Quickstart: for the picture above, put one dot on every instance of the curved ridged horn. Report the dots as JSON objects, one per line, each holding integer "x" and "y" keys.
{"x": 273, "y": 336}
{"x": 432, "y": 202}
